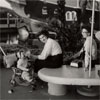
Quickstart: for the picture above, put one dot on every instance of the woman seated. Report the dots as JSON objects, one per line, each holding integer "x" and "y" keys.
{"x": 51, "y": 55}
{"x": 86, "y": 48}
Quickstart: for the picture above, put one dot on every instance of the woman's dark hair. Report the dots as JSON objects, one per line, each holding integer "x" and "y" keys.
{"x": 87, "y": 27}
{"x": 24, "y": 27}
{"x": 43, "y": 32}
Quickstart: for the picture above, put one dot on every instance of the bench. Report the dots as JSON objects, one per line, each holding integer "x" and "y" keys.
{"x": 58, "y": 78}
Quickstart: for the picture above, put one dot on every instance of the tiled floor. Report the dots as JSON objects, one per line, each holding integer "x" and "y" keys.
{"x": 21, "y": 92}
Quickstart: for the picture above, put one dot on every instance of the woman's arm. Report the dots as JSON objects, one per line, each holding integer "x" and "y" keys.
{"x": 78, "y": 53}
{"x": 46, "y": 50}
{"x": 87, "y": 48}
{"x": 34, "y": 57}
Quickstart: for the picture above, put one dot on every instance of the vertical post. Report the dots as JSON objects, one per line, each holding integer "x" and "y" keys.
{"x": 16, "y": 21}
{"x": 8, "y": 19}
{"x": 8, "y": 16}
{"x": 77, "y": 3}
{"x": 8, "y": 37}
{"x": 92, "y": 26}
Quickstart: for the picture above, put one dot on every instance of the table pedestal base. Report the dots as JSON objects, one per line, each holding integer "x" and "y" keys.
{"x": 88, "y": 91}
{"x": 56, "y": 89}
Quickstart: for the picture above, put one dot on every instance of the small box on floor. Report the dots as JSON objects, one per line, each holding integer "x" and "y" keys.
{"x": 76, "y": 63}
{"x": 97, "y": 71}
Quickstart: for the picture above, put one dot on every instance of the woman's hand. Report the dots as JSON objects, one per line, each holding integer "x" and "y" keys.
{"x": 34, "y": 57}
{"x": 76, "y": 55}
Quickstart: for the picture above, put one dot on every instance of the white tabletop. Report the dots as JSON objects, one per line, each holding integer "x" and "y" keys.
{"x": 67, "y": 75}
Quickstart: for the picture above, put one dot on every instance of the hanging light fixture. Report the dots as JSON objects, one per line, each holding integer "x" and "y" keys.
{"x": 44, "y": 9}
{"x": 56, "y": 11}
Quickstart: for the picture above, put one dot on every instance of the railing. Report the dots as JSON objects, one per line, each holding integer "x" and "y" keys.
{"x": 8, "y": 22}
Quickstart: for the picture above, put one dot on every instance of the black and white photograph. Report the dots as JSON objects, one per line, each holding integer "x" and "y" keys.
{"x": 49, "y": 49}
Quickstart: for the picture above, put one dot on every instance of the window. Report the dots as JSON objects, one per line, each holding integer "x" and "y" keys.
{"x": 71, "y": 15}
{"x": 68, "y": 16}
{"x": 74, "y": 15}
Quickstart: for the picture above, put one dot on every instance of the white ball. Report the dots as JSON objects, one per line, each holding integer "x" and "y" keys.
{"x": 10, "y": 91}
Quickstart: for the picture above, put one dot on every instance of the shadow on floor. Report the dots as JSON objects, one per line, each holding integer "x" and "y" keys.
{"x": 41, "y": 93}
